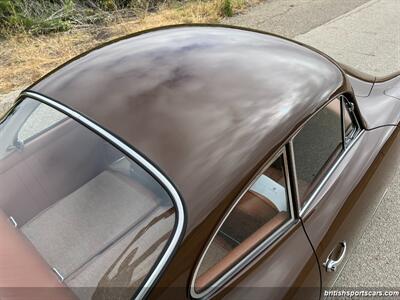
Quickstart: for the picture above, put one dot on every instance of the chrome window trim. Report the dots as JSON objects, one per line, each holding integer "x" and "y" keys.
{"x": 149, "y": 167}
{"x": 346, "y": 148}
{"x": 293, "y": 173}
{"x": 243, "y": 262}
{"x": 342, "y": 109}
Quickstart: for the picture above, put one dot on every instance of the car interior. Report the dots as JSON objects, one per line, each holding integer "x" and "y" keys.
{"x": 259, "y": 212}
{"x": 80, "y": 209}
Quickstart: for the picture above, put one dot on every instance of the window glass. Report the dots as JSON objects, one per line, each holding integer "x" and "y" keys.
{"x": 259, "y": 213}
{"x": 93, "y": 214}
{"x": 42, "y": 118}
{"x": 348, "y": 124}
{"x": 316, "y": 145}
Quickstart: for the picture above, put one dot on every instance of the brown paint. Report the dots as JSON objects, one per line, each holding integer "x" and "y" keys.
{"x": 210, "y": 105}
{"x": 174, "y": 95}
{"x": 344, "y": 210}
{"x": 278, "y": 273}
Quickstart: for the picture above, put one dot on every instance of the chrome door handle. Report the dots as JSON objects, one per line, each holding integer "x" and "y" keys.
{"x": 331, "y": 264}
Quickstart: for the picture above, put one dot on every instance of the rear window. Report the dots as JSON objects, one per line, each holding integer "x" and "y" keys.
{"x": 96, "y": 217}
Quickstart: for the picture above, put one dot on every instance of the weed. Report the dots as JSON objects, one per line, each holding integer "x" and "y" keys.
{"x": 226, "y": 9}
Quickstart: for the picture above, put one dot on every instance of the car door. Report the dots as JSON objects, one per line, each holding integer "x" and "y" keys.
{"x": 260, "y": 250}
{"x": 342, "y": 174}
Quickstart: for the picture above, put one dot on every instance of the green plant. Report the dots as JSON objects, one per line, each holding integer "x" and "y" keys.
{"x": 44, "y": 16}
{"x": 226, "y": 9}
{"x": 35, "y": 16}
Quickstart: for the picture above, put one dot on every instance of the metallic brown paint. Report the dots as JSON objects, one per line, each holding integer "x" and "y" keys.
{"x": 174, "y": 95}
{"x": 277, "y": 273}
{"x": 210, "y": 105}
{"x": 350, "y": 198}
{"x": 381, "y": 107}
{"x": 361, "y": 88}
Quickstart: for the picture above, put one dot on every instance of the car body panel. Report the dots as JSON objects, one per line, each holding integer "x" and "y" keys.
{"x": 185, "y": 81}
{"x": 342, "y": 213}
{"x": 380, "y": 107}
{"x": 349, "y": 198}
{"x": 391, "y": 88}
{"x": 279, "y": 273}
{"x": 376, "y": 97}
{"x": 360, "y": 87}
{"x": 210, "y": 105}
{"x": 379, "y": 110}
{"x": 286, "y": 270}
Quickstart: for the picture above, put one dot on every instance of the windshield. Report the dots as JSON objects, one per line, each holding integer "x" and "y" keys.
{"x": 96, "y": 217}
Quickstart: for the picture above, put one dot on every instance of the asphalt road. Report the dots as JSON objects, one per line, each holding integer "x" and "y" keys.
{"x": 291, "y": 18}
{"x": 366, "y": 35}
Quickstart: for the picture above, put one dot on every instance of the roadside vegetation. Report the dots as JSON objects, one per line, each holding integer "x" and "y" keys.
{"x": 36, "y": 36}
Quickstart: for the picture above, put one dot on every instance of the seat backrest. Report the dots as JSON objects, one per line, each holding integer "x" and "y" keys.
{"x": 256, "y": 205}
{"x": 252, "y": 211}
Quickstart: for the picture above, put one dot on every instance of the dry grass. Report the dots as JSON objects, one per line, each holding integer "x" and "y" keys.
{"x": 25, "y": 58}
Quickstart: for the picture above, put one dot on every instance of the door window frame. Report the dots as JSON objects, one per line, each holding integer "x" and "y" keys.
{"x": 327, "y": 173}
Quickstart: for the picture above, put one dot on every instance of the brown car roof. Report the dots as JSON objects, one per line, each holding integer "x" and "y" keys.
{"x": 207, "y": 104}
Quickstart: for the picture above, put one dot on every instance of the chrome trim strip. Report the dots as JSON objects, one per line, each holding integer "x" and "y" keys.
{"x": 12, "y": 220}
{"x": 180, "y": 212}
{"x": 342, "y": 110}
{"x": 59, "y": 275}
{"x": 210, "y": 291}
{"x": 293, "y": 173}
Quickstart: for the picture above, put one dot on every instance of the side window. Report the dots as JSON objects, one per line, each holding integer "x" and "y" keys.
{"x": 40, "y": 120}
{"x": 320, "y": 142}
{"x": 259, "y": 213}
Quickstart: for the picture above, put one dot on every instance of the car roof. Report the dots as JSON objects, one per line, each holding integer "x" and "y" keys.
{"x": 207, "y": 104}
